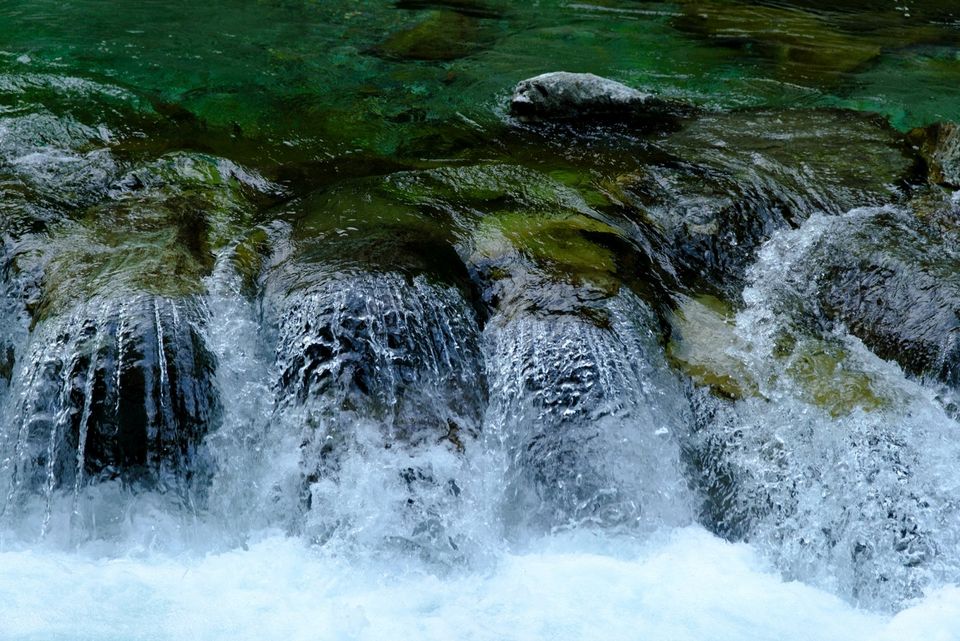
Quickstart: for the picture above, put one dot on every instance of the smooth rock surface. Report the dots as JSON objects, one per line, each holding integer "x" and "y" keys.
{"x": 562, "y": 94}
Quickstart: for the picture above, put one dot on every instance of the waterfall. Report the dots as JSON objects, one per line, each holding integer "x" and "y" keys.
{"x": 114, "y": 390}
{"x": 589, "y": 419}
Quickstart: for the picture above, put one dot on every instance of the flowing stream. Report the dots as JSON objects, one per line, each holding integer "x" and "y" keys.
{"x": 304, "y": 336}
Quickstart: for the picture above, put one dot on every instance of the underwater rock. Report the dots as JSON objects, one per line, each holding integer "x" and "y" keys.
{"x": 561, "y": 95}
{"x": 736, "y": 178}
{"x": 62, "y": 161}
{"x": 441, "y": 36}
{"x": 706, "y": 346}
{"x": 940, "y": 146}
{"x": 803, "y": 45}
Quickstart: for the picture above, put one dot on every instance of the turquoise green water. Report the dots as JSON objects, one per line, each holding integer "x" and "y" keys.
{"x": 294, "y": 81}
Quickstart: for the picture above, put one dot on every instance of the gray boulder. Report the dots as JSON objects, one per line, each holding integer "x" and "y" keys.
{"x": 561, "y": 95}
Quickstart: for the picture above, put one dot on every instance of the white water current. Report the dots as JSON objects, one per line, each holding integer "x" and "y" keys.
{"x": 532, "y": 487}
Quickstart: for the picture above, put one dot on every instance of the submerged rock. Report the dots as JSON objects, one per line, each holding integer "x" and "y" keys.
{"x": 440, "y": 36}
{"x": 803, "y": 45}
{"x": 561, "y": 95}
{"x": 705, "y": 344}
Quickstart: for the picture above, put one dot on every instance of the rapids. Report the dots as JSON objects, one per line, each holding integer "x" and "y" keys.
{"x": 304, "y": 334}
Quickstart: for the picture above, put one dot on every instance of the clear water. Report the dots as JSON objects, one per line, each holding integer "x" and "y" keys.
{"x": 302, "y": 337}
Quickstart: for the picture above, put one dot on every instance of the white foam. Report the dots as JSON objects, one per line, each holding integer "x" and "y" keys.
{"x": 685, "y": 585}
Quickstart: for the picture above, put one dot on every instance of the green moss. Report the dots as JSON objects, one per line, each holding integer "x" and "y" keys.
{"x": 158, "y": 236}
{"x": 561, "y": 245}
{"x": 704, "y": 346}
{"x": 486, "y": 187}
{"x": 822, "y": 372}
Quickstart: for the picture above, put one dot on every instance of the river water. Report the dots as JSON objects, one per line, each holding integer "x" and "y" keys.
{"x": 304, "y": 336}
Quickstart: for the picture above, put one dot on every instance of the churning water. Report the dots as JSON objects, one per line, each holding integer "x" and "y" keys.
{"x": 302, "y": 337}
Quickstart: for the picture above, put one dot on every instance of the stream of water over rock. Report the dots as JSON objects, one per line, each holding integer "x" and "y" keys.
{"x": 306, "y": 333}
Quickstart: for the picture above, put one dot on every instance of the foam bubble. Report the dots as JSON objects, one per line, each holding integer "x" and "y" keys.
{"x": 682, "y": 585}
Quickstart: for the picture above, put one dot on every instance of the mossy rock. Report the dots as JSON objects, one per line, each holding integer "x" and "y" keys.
{"x": 825, "y": 378}
{"x": 362, "y": 225}
{"x": 440, "y": 36}
{"x": 157, "y": 234}
{"x": 563, "y": 245}
{"x": 136, "y": 245}
{"x": 939, "y": 144}
{"x": 704, "y": 346}
{"x": 487, "y": 187}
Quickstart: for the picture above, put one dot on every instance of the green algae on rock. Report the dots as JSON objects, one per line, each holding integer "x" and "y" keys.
{"x": 705, "y": 345}
{"x": 157, "y": 234}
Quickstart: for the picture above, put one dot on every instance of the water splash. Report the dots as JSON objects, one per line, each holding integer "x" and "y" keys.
{"x": 589, "y": 417}
{"x": 860, "y": 501}
{"x": 379, "y": 375}
{"x": 116, "y": 389}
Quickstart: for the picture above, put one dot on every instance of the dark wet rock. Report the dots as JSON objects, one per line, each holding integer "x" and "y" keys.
{"x": 114, "y": 380}
{"x": 895, "y": 284}
{"x": 571, "y": 352}
{"x": 115, "y": 388}
{"x": 939, "y": 144}
{"x": 561, "y": 95}
{"x": 378, "y": 289}
{"x": 885, "y": 276}
{"x": 738, "y": 177}
{"x": 370, "y": 314}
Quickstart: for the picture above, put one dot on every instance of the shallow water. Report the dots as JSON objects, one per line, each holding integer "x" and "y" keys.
{"x": 304, "y": 336}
